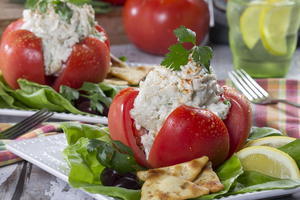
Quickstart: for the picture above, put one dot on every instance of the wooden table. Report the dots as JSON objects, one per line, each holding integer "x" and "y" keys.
{"x": 28, "y": 182}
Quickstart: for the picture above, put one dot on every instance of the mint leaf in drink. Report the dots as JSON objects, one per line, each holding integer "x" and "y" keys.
{"x": 202, "y": 56}
{"x": 177, "y": 57}
{"x": 184, "y": 34}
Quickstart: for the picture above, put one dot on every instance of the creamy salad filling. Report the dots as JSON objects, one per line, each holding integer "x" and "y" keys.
{"x": 164, "y": 90}
{"x": 59, "y": 35}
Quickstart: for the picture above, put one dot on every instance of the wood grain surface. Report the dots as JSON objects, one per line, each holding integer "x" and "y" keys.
{"x": 111, "y": 22}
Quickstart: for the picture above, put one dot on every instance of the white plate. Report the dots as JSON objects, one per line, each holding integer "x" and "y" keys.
{"x": 51, "y": 160}
{"x": 60, "y": 116}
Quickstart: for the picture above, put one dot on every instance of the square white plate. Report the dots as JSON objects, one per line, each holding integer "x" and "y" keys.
{"x": 51, "y": 160}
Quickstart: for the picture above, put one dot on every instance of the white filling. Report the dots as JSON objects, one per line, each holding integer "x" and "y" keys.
{"x": 58, "y": 35}
{"x": 164, "y": 90}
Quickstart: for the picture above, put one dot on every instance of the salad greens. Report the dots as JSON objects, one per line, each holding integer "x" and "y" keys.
{"x": 179, "y": 55}
{"x": 89, "y": 144}
{"x": 90, "y": 150}
{"x": 32, "y": 96}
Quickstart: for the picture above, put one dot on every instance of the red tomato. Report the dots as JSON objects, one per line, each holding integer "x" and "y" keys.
{"x": 21, "y": 56}
{"x": 149, "y": 24}
{"x": 190, "y": 133}
{"x": 238, "y": 121}
{"x": 121, "y": 125}
{"x": 85, "y": 64}
{"x": 116, "y": 2}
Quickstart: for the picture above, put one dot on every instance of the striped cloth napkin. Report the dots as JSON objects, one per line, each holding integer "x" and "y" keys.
{"x": 280, "y": 116}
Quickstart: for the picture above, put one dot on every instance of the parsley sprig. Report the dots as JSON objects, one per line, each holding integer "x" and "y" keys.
{"x": 179, "y": 55}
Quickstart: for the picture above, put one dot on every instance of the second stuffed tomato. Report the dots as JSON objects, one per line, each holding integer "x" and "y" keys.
{"x": 50, "y": 48}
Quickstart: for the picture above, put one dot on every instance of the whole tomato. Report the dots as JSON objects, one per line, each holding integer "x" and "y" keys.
{"x": 21, "y": 56}
{"x": 187, "y": 133}
{"x": 149, "y": 24}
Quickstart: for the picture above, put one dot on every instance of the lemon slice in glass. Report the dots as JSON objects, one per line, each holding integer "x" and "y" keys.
{"x": 274, "y": 22}
{"x": 271, "y": 141}
{"x": 269, "y": 161}
{"x": 249, "y": 24}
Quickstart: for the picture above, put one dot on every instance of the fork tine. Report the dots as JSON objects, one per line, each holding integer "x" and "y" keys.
{"x": 236, "y": 82}
{"x": 23, "y": 128}
{"x": 24, "y": 122}
{"x": 250, "y": 84}
{"x": 31, "y": 126}
{"x": 30, "y": 122}
{"x": 255, "y": 84}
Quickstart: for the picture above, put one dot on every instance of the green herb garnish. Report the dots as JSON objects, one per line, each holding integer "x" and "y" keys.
{"x": 179, "y": 55}
{"x": 69, "y": 93}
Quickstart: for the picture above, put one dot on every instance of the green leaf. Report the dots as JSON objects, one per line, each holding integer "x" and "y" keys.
{"x": 69, "y": 93}
{"x": 185, "y": 35}
{"x": 63, "y": 10}
{"x": 80, "y": 2}
{"x": 202, "y": 56}
{"x": 74, "y": 131}
{"x": 228, "y": 174}
{"x": 30, "y": 4}
{"x": 96, "y": 95}
{"x": 38, "y": 96}
{"x": 123, "y": 58}
{"x": 293, "y": 149}
{"x": 257, "y": 132}
{"x": 114, "y": 155}
{"x": 177, "y": 57}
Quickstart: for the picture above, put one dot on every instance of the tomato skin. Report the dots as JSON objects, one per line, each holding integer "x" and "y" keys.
{"x": 18, "y": 49}
{"x": 121, "y": 125}
{"x": 89, "y": 61}
{"x": 189, "y": 133}
{"x": 238, "y": 120}
{"x": 155, "y": 20}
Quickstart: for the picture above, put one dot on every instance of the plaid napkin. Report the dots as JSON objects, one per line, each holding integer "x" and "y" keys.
{"x": 6, "y": 157}
{"x": 280, "y": 116}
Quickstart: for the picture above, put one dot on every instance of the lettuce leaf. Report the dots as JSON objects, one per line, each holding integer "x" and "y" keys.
{"x": 85, "y": 169}
{"x": 293, "y": 149}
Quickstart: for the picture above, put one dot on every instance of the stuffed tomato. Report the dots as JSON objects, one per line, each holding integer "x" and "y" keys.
{"x": 55, "y": 43}
{"x": 180, "y": 112}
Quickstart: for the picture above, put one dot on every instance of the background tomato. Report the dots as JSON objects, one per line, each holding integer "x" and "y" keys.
{"x": 190, "y": 133}
{"x": 238, "y": 120}
{"x": 21, "y": 56}
{"x": 149, "y": 24}
{"x": 121, "y": 125}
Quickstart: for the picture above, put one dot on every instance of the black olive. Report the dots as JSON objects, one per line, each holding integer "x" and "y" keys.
{"x": 109, "y": 177}
{"x": 128, "y": 182}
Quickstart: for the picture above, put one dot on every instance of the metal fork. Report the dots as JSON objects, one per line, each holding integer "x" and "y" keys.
{"x": 26, "y": 125}
{"x": 254, "y": 92}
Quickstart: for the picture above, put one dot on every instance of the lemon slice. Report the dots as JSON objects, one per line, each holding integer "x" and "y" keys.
{"x": 272, "y": 141}
{"x": 273, "y": 24}
{"x": 269, "y": 161}
{"x": 249, "y": 25}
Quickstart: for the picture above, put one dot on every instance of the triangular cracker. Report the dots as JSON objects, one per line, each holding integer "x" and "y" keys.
{"x": 187, "y": 170}
{"x": 209, "y": 179}
{"x": 167, "y": 187}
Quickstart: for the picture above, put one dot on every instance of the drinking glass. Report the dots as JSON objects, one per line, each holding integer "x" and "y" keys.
{"x": 263, "y": 35}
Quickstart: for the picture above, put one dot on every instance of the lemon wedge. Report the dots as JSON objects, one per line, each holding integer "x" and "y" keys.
{"x": 274, "y": 22}
{"x": 269, "y": 161}
{"x": 249, "y": 25}
{"x": 271, "y": 141}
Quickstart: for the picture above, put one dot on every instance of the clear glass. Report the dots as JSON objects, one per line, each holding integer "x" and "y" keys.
{"x": 258, "y": 60}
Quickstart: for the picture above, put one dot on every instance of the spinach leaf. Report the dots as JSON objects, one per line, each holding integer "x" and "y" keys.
{"x": 114, "y": 155}
{"x": 293, "y": 149}
{"x": 257, "y": 132}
